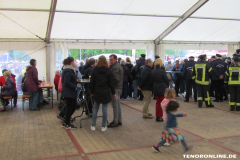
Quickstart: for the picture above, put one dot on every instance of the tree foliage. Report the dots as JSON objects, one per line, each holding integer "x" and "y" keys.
{"x": 75, "y": 53}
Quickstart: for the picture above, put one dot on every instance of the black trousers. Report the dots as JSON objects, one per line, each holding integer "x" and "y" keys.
{"x": 130, "y": 89}
{"x": 177, "y": 84}
{"x": 140, "y": 95}
{"x": 190, "y": 84}
{"x": 15, "y": 97}
{"x": 71, "y": 107}
{"x": 218, "y": 86}
{"x": 211, "y": 88}
{"x": 202, "y": 93}
{"x": 234, "y": 92}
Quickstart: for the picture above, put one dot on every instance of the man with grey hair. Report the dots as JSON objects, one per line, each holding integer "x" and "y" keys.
{"x": 117, "y": 74}
{"x": 145, "y": 85}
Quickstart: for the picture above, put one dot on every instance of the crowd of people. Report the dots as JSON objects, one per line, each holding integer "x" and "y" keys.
{"x": 121, "y": 81}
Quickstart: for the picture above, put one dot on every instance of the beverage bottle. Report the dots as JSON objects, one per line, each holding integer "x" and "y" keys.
{"x": 43, "y": 80}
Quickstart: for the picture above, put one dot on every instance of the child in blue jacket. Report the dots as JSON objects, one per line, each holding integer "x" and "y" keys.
{"x": 171, "y": 133}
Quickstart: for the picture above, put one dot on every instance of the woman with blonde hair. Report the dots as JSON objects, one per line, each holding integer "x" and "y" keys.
{"x": 160, "y": 84}
{"x": 101, "y": 81}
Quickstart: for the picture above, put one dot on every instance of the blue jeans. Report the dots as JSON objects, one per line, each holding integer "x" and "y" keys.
{"x": 78, "y": 92}
{"x": 135, "y": 91}
{"x": 33, "y": 100}
{"x": 124, "y": 91}
{"x": 95, "y": 111}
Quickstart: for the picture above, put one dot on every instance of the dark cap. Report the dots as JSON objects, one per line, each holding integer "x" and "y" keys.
{"x": 236, "y": 59}
{"x": 202, "y": 57}
{"x": 143, "y": 55}
{"x": 234, "y": 54}
{"x": 218, "y": 55}
{"x": 229, "y": 58}
{"x": 191, "y": 57}
{"x": 213, "y": 57}
{"x": 157, "y": 56}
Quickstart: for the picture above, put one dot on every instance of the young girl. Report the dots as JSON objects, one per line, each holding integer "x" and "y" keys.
{"x": 171, "y": 133}
{"x": 169, "y": 95}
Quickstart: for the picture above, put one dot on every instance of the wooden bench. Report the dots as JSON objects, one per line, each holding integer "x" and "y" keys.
{"x": 25, "y": 97}
{"x": 7, "y": 98}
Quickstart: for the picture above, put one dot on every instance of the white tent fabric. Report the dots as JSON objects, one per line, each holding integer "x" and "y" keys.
{"x": 26, "y": 4}
{"x": 35, "y": 22}
{"x": 119, "y": 20}
{"x": 206, "y": 30}
{"x": 155, "y": 7}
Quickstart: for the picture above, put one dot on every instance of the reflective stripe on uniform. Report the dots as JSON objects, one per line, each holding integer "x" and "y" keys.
{"x": 199, "y": 98}
{"x": 237, "y": 104}
{"x": 210, "y": 69}
{"x": 226, "y": 73}
{"x": 202, "y": 83}
{"x": 193, "y": 77}
{"x": 232, "y": 103}
{"x": 233, "y": 82}
{"x": 208, "y": 98}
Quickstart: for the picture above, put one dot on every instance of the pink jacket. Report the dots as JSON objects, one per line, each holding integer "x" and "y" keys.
{"x": 164, "y": 107}
{"x": 60, "y": 85}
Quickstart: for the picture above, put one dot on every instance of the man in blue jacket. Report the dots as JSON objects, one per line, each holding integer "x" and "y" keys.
{"x": 177, "y": 77}
{"x": 219, "y": 68}
{"x": 190, "y": 83}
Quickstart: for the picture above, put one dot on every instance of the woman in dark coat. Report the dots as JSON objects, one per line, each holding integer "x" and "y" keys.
{"x": 160, "y": 83}
{"x": 129, "y": 66}
{"x": 31, "y": 84}
{"x": 69, "y": 90}
{"x": 100, "y": 86}
{"x": 8, "y": 88}
{"x": 126, "y": 77}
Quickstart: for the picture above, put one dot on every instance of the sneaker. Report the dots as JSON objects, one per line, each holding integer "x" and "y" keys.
{"x": 69, "y": 126}
{"x": 72, "y": 119}
{"x": 148, "y": 117}
{"x": 93, "y": 128}
{"x": 186, "y": 100}
{"x": 63, "y": 125}
{"x": 104, "y": 129}
{"x": 60, "y": 117}
{"x": 166, "y": 144}
{"x": 119, "y": 123}
{"x": 112, "y": 124}
{"x": 156, "y": 149}
{"x": 188, "y": 149}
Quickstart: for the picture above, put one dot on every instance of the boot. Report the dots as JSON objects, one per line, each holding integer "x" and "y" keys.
{"x": 210, "y": 105}
{"x": 237, "y": 108}
{"x": 200, "y": 104}
{"x": 232, "y": 108}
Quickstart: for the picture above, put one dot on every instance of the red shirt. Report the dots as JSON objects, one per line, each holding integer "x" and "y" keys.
{"x": 56, "y": 80}
{"x": 2, "y": 81}
{"x": 13, "y": 78}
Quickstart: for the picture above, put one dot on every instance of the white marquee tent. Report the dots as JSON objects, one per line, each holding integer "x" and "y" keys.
{"x": 41, "y": 27}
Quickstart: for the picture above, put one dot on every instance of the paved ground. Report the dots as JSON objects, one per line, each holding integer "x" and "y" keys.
{"x": 39, "y": 135}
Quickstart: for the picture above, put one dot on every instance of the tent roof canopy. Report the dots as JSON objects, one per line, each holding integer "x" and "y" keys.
{"x": 214, "y": 20}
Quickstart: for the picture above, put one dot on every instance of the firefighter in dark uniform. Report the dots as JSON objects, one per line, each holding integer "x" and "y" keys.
{"x": 201, "y": 73}
{"x": 232, "y": 75}
{"x": 219, "y": 68}
{"x": 190, "y": 83}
